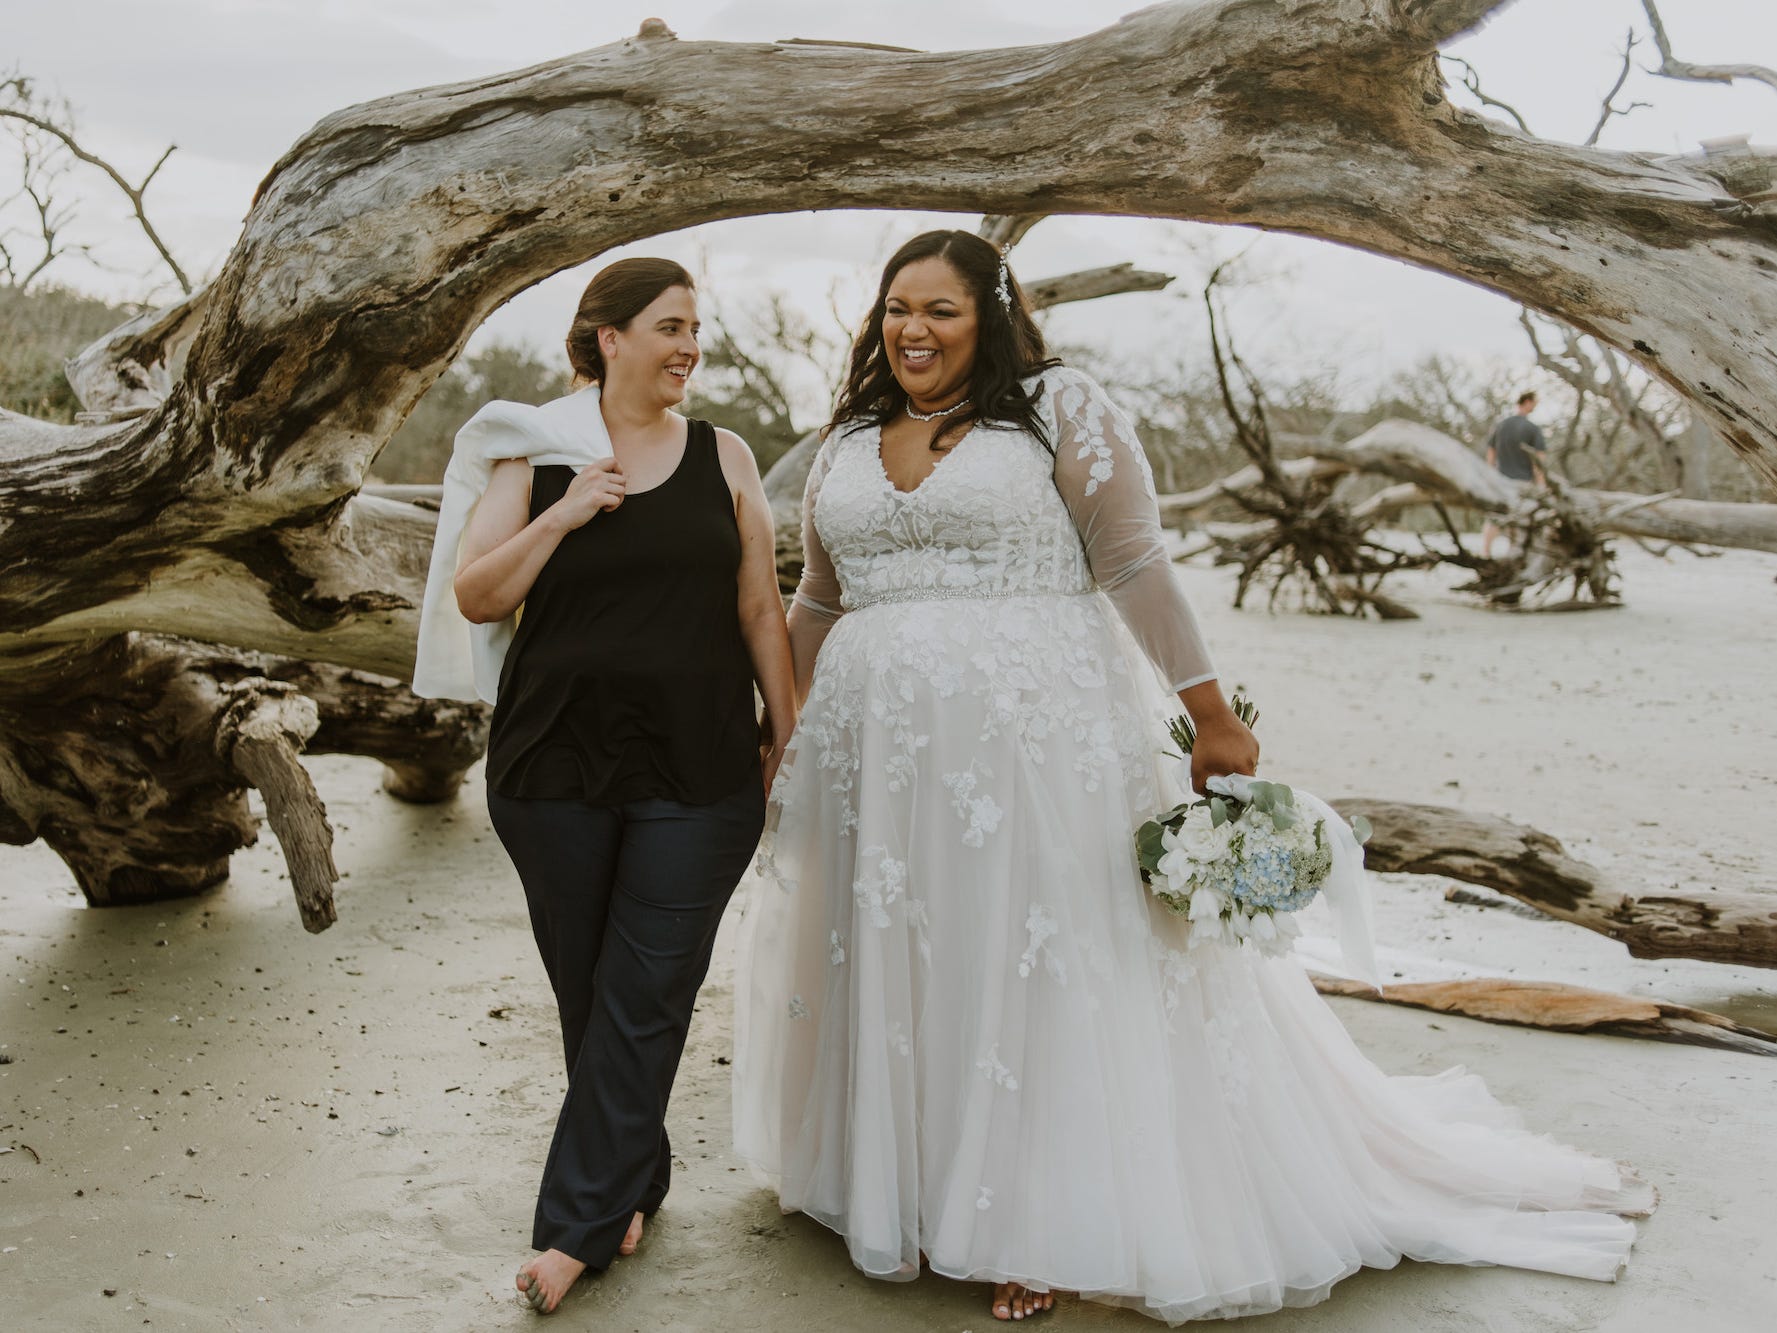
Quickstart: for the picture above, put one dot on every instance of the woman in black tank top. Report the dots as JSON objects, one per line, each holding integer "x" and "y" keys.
{"x": 626, "y": 772}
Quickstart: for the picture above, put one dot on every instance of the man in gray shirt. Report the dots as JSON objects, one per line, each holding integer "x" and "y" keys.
{"x": 1516, "y": 448}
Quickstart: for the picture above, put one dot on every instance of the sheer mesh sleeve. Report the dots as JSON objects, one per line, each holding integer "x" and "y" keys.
{"x": 815, "y": 608}
{"x": 1103, "y": 477}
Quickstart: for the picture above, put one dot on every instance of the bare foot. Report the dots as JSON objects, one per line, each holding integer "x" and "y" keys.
{"x": 1012, "y": 1301}
{"x": 633, "y": 1237}
{"x": 546, "y": 1279}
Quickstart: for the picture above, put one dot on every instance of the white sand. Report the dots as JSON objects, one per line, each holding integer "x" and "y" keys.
{"x": 243, "y": 1126}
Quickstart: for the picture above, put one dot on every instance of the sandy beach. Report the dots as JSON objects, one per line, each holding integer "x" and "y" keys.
{"x": 212, "y": 1120}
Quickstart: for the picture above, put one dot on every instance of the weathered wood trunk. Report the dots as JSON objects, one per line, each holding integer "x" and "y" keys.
{"x": 214, "y": 494}
{"x": 1531, "y": 866}
{"x": 132, "y": 757}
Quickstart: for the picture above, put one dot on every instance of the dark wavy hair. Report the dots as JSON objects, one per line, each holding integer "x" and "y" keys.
{"x": 1009, "y": 347}
{"x": 617, "y": 294}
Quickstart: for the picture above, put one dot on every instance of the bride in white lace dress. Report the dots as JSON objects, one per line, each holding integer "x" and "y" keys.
{"x": 965, "y": 1032}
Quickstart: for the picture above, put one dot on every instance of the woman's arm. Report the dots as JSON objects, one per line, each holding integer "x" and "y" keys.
{"x": 760, "y": 606}
{"x": 816, "y": 607}
{"x": 504, "y": 549}
{"x": 1103, "y": 477}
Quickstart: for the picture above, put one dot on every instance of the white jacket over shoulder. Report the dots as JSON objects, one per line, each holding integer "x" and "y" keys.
{"x": 456, "y": 659}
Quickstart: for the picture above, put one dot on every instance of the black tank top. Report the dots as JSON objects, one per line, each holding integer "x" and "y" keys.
{"x": 628, "y": 677}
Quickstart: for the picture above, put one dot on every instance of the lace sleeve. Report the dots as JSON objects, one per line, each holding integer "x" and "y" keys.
{"x": 1104, "y": 479}
{"x": 815, "y": 608}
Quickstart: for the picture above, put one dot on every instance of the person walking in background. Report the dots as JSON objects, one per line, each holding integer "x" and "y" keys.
{"x": 1516, "y": 448}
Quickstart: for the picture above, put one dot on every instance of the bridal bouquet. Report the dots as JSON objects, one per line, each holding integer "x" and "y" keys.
{"x": 1240, "y": 863}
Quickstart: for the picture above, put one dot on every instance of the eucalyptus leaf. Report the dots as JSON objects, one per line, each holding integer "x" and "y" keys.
{"x": 1148, "y": 847}
{"x": 1360, "y": 829}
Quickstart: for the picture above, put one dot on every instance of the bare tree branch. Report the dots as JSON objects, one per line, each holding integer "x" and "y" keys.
{"x": 1609, "y": 109}
{"x": 1005, "y": 230}
{"x": 1471, "y": 79}
{"x": 1673, "y": 68}
{"x": 22, "y": 108}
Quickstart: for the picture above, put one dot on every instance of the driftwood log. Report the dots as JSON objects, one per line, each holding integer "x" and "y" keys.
{"x": 1563, "y": 531}
{"x": 1559, "y": 1008}
{"x": 1529, "y": 865}
{"x": 141, "y": 787}
{"x": 1431, "y": 467}
{"x": 214, "y": 493}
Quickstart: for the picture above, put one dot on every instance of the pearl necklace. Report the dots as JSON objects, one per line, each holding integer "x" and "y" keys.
{"x": 933, "y": 416}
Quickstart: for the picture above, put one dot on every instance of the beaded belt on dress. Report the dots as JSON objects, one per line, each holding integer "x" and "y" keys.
{"x": 959, "y": 594}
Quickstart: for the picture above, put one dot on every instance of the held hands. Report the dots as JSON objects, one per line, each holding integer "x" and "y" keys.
{"x": 773, "y": 741}
{"x": 597, "y": 487}
{"x": 771, "y": 759}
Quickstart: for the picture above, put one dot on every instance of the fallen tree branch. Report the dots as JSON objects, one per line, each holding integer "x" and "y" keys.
{"x": 1092, "y": 283}
{"x": 1559, "y": 1008}
{"x": 261, "y": 743}
{"x": 1529, "y": 865}
{"x": 1446, "y": 471}
{"x": 1249, "y": 480}
{"x": 1673, "y": 68}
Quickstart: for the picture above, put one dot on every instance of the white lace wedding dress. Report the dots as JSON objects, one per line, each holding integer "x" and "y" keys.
{"x": 964, "y": 1028}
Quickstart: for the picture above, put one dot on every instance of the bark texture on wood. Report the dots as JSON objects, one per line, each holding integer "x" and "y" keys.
{"x": 427, "y": 746}
{"x": 131, "y": 758}
{"x": 261, "y": 744}
{"x": 1529, "y": 865}
{"x": 1561, "y": 1008}
{"x": 108, "y": 754}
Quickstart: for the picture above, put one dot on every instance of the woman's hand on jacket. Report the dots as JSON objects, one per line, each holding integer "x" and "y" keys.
{"x": 596, "y": 488}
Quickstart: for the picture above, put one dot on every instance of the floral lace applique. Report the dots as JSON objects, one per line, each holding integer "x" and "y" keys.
{"x": 798, "y": 1010}
{"x": 901, "y": 770}
{"x": 765, "y": 863}
{"x": 836, "y": 950}
{"x": 982, "y": 812}
{"x": 1101, "y": 753}
{"x": 1175, "y": 971}
{"x": 876, "y": 890}
{"x": 1041, "y": 925}
{"x": 1088, "y": 417}
{"x": 917, "y": 918}
{"x": 897, "y": 1039}
{"x": 1229, "y": 1056}
{"x": 995, "y": 1071}
{"x": 984, "y": 1200}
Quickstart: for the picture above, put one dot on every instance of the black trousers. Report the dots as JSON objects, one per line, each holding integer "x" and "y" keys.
{"x": 624, "y": 902}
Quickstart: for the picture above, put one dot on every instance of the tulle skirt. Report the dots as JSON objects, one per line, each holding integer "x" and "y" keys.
{"x": 964, "y": 1029}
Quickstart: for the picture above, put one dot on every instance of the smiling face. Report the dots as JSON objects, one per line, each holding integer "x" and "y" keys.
{"x": 929, "y": 327}
{"x": 653, "y": 357}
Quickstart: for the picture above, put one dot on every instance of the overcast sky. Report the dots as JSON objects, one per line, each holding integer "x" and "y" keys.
{"x": 234, "y": 82}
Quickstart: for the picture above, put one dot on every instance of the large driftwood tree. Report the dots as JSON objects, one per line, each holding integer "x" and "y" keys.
{"x": 214, "y": 494}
